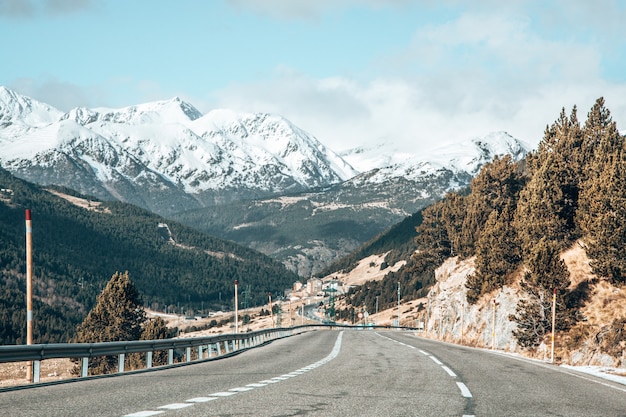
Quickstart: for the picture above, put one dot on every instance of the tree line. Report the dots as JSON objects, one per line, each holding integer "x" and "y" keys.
{"x": 75, "y": 250}
{"x": 519, "y": 217}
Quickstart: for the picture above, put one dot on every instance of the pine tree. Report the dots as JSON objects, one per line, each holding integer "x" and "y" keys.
{"x": 548, "y": 203}
{"x": 488, "y": 225}
{"x": 602, "y": 198}
{"x": 498, "y": 254}
{"x": 117, "y": 316}
{"x": 154, "y": 329}
{"x": 546, "y": 273}
{"x": 606, "y": 225}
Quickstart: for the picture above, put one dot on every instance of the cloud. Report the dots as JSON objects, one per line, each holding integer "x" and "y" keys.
{"x": 307, "y": 10}
{"x": 61, "y": 95}
{"x": 32, "y": 8}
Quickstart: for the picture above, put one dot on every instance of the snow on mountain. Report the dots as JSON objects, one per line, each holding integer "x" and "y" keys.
{"x": 171, "y": 140}
{"x": 465, "y": 157}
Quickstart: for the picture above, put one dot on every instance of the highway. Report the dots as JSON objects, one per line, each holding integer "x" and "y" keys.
{"x": 335, "y": 373}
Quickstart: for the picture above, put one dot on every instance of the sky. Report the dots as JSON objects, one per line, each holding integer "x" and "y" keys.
{"x": 410, "y": 74}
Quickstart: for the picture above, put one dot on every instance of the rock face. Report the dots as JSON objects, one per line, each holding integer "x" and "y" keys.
{"x": 448, "y": 316}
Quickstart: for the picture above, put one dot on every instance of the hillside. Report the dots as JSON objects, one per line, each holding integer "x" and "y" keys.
{"x": 528, "y": 231}
{"x": 79, "y": 243}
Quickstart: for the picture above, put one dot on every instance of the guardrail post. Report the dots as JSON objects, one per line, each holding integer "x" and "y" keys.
{"x": 200, "y": 353}
{"x": 84, "y": 367}
{"x": 120, "y": 363}
{"x": 235, "y": 345}
{"x": 226, "y": 347}
{"x": 209, "y": 350}
{"x": 218, "y": 348}
{"x": 188, "y": 354}
{"x": 170, "y": 356}
{"x": 149, "y": 359}
{"x": 36, "y": 371}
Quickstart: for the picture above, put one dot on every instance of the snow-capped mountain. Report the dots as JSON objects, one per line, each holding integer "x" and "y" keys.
{"x": 262, "y": 181}
{"x": 163, "y": 155}
{"x": 378, "y": 165}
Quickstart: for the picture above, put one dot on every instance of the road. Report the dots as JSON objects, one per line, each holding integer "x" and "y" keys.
{"x": 334, "y": 373}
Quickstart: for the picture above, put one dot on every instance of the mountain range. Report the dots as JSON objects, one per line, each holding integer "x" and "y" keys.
{"x": 254, "y": 178}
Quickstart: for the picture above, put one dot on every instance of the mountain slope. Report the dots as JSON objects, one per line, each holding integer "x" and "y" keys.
{"x": 165, "y": 156}
{"x": 308, "y": 231}
{"x": 79, "y": 244}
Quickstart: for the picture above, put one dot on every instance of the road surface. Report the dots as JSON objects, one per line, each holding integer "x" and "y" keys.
{"x": 335, "y": 373}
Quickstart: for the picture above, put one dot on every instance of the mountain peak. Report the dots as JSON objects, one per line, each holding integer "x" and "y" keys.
{"x": 17, "y": 108}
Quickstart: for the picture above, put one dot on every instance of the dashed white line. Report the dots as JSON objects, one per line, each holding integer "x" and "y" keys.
{"x": 249, "y": 387}
{"x": 437, "y": 361}
{"x": 201, "y": 399}
{"x": 222, "y": 394}
{"x": 241, "y": 389}
{"x": 464, "y": 390}
{"x": 174, "y": 406}
{"x": 449, "y": 371}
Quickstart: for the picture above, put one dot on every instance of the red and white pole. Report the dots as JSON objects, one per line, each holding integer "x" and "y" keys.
{"x": 29, "y": 289}
{"x": 236, "y": 307}
{"x": 553, "y": 323}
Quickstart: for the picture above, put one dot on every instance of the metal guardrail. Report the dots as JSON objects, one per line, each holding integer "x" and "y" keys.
{"x": 218, "y": 345}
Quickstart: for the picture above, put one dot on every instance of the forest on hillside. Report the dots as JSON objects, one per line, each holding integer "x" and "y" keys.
{"x": 76, "y": 250}
{"x": 519, "y": 216}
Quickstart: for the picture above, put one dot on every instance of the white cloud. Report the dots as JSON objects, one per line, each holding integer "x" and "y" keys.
{"x": 308, "y": 10}
{"x": 474, "y": 74}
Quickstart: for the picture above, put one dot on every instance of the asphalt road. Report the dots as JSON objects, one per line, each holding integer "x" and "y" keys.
{"x": 333, "y": 373}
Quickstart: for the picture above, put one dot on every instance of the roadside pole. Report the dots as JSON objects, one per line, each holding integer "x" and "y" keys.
{"x": 553, "y": 323}
{"x": 236, "y": 307}
{"x": 269, "y": 294}
{"x": 398, "y": 303}
{"x": 29, "y": 290}
{"x": 493, "y": 330}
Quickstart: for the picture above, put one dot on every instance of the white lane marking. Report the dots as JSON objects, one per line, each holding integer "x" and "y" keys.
{"x": 464, "y": 390}
{"x": 222, "y": 394}
{"x": 449, "y": 371}
{"x": 241, "y": 389}
{"x": 469, "y": 415}
{"x": 174, "y": 406}
{"x": 201, "y": 399}
{"x": 423, "y": 352}
{"x": 437, "y": 361}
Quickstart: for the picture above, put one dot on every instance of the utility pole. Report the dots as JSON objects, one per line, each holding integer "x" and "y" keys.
{"x": 29, "y": 290}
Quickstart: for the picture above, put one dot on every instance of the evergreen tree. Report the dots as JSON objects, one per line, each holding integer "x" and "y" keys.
{"x": 498, "y": 254}
{"x": 154, "y": 329}
{"x": 606, "y": 224}
{"x": 488, "y": 223}
{"x": 546, "y": 273}
{"x": 117, "y": 316}
{"x": 548, "y": 203}
{"x": 602, "y": 198}
{"x": 497, "y": 185}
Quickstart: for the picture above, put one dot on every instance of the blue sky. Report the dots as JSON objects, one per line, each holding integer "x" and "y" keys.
{"x": 414, "y": 74}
